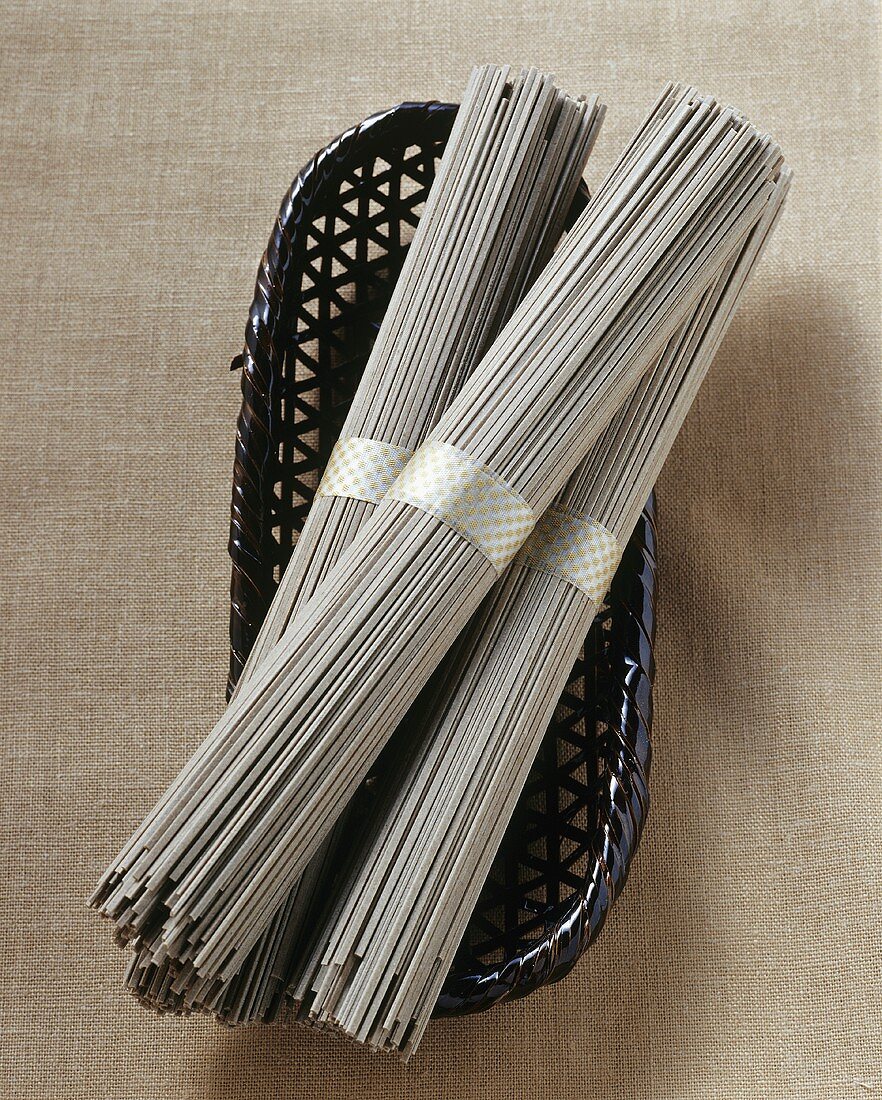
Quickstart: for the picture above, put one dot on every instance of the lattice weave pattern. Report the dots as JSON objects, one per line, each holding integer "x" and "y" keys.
{"x": 336, "y": 248}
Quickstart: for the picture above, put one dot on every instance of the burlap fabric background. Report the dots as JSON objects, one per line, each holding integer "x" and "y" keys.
{"x": 144, "y": 149}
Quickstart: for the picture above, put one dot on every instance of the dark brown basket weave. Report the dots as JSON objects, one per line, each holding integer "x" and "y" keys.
{"x": 325, "y": 280}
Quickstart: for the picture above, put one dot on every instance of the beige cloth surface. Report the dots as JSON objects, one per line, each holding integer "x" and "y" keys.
{"x": 144, "y": 149}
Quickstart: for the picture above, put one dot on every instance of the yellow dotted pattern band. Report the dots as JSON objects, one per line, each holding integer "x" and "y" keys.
{"x": 569, "y": 545}
{"x": 470, "y": 498}
{"x": 362, "y": 469}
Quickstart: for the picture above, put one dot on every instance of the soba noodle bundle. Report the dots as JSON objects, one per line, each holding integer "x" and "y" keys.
{"x": 506, "y": 182}
{"x": 383, "y": 950}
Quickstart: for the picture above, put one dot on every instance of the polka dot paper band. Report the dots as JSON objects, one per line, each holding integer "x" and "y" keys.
{"x": 362, "y": 469}
{"x": 447, "y": 483}
{"x": 572, "y": 546}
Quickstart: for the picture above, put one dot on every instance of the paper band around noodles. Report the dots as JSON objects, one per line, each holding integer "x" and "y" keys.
{"x": 573, "y": 547}
{"x": 362, "y": 469}
{"x": 468, "y": 497}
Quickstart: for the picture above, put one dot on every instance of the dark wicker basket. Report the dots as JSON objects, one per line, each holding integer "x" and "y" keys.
{"x": 323, "y": 284}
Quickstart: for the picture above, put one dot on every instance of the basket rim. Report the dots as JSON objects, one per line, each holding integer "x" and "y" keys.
{"x": 553, "y": 955}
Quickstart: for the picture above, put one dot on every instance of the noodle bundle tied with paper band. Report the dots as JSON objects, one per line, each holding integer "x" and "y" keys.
{"x": 505, "y": 184}
{"x": 398, "y": 913}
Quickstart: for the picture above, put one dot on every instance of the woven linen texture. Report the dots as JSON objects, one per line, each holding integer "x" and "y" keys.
{"x": 145, "y": 149}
